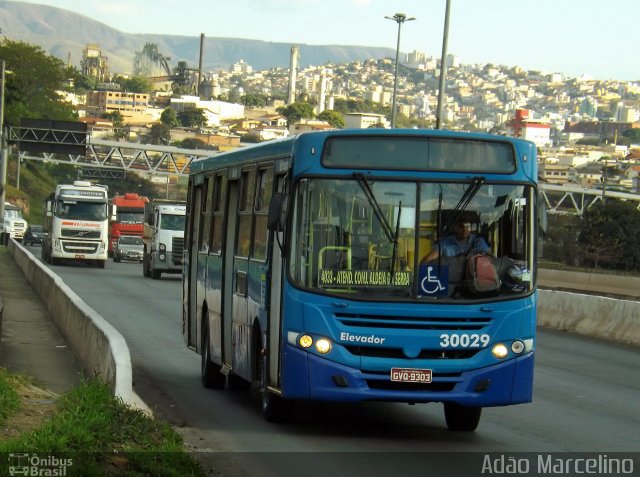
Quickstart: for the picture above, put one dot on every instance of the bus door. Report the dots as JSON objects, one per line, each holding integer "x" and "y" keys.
{"x": 189, "y": 278}
{"x": 228, "y": 284}
{"x": 276, "y": 287}
{"x": 198, "y": 271}
{"x": 241, "y": 321}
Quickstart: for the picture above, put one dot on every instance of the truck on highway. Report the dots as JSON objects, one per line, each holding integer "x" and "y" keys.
{"x": 76, "y": 221}
{"x": 128, "y": 210}
{"x": 13, "y": 225}
{"x": 163, "y": 237}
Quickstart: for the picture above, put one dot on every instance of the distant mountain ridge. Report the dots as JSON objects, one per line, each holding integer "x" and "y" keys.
{"x": 65, "y": 34}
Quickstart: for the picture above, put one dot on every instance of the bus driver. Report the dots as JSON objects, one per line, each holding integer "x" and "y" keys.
{"x": 458, "y": 243}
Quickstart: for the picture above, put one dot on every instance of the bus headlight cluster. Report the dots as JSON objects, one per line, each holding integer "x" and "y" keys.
{"x": 501, "y": 351}
{"x": 322, "y": 345}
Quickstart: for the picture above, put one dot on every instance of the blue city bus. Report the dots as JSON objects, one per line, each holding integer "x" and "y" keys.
{"x": 323, "y": 266}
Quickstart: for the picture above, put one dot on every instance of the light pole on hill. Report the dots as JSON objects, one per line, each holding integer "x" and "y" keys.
{"x": 399, "y": 18}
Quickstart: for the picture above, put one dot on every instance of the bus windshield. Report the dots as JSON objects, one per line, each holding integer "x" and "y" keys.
{"x": 78, "y": 210}
{"x": 408, "y": 240}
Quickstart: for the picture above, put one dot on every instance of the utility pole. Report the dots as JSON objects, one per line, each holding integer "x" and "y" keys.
{"x": 3, "y": 150}
{"x": 443, "y": 66}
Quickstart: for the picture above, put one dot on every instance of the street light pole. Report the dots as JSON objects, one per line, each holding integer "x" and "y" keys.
{"x": 3, "y": 151}
{"x": 399, "y": 18}
{"x": 443, "y": 66}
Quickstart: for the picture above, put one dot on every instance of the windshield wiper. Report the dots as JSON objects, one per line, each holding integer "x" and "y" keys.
{"x": 396, "y": 234}
{"x": 364, "y": 185}
{"x": 468, "y": 195}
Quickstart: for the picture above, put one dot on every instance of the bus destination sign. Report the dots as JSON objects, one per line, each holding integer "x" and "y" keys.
{"x": 363, "y": 278}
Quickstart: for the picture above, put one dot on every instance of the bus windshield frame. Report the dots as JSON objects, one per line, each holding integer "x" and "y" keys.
{"x": 375, "y": 245}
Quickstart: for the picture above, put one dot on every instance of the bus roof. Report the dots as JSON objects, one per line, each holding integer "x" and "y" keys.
{"x": 286, "y": 146}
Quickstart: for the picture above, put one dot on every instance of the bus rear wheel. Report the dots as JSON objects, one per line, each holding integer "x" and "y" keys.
{"x": 461, "y": 418}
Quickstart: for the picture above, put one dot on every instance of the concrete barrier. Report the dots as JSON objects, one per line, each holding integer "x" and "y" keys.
{"x": 619, "y": 285}
{"x": 100, "y": 348}
{"x": 600, "y": 317}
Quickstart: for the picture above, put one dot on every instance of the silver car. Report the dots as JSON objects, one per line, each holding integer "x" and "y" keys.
{"x": 128, "y": 247}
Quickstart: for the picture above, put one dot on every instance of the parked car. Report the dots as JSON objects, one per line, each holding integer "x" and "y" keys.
{"x": 34, "y": 235}
{"x": 128, "y": 247}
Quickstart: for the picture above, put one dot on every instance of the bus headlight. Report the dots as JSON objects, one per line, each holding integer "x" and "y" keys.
{"x": 323, "y": 345}
{"x": 499, "y": 351}
{"x": 305, "y": 341}
{"x": 517, "y": 346}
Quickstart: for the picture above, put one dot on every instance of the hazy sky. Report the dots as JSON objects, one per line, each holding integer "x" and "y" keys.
{"x": 598, "y": 38}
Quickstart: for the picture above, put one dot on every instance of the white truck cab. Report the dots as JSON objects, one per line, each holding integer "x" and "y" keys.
{"x": 13, "y": 224}
{"x": 164, "y": 238}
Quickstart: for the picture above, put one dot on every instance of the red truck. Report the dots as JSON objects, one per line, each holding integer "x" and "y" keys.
{"x": 129, "y": 213}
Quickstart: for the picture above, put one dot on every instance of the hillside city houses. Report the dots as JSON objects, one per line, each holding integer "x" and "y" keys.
{"x": 557, "y": 113}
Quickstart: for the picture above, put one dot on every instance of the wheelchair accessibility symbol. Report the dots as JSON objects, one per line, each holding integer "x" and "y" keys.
{"x": 433, "y": 280}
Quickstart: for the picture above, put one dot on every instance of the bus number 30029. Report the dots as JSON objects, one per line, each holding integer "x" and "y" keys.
{"x": 464, "y": 341}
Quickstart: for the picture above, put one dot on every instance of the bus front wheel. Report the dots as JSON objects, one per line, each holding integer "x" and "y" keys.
{"x": 273, "y": 407}
{"x": 461, "y": 418}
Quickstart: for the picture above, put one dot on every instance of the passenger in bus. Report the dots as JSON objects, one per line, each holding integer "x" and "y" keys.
{"x": 458, "y": 243}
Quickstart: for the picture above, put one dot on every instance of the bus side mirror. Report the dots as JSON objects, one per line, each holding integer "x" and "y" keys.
{"x": 277, "y": 217}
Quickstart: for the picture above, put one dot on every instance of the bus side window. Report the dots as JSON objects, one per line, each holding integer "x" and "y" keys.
{"x": 263, "y": 198}
{"x": 245, "y": 214}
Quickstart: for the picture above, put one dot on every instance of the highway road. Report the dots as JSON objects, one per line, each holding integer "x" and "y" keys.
{"x": 586, "y": 396}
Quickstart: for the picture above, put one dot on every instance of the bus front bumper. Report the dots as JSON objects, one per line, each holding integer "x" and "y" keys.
{"x": 312, "y": 377}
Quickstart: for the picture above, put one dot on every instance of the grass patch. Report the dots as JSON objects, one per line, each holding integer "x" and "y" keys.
{"x": 98, "y": 432}
{"x": 9, "y": 398}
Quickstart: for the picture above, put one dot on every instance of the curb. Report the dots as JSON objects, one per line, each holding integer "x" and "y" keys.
{"x": 100, "y": 348}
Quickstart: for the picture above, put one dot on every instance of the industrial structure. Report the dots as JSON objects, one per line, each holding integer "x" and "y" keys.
{"x": 93, "y": 64}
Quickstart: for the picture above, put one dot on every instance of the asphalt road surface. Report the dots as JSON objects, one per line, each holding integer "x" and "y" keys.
{"x": 586, "y": 400}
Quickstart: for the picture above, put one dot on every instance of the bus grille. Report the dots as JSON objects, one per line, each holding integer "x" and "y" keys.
{"x": 177, "y": 247}
{"x": 397, "y": 353}
{"x": 412, "y": 322}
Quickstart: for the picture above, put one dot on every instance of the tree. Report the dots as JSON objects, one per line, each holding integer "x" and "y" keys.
{"x": 334, "y": 118}
{"x": 608, "y": 235}
{"x": 192, "y": 117}
{"x": 296, "y": 111}
{"x": 193, "y": 143}
{"x": 252, "y": 101}
{"x": 169, "y": 117}
{"x": 118, "y": 123}
{"x": 159, "y": 134}
{"x": 560, "y": 239}
{"x": 135, "y": 84}
{"x": 31, "y": 84}
{"x": 633, "y": 135}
